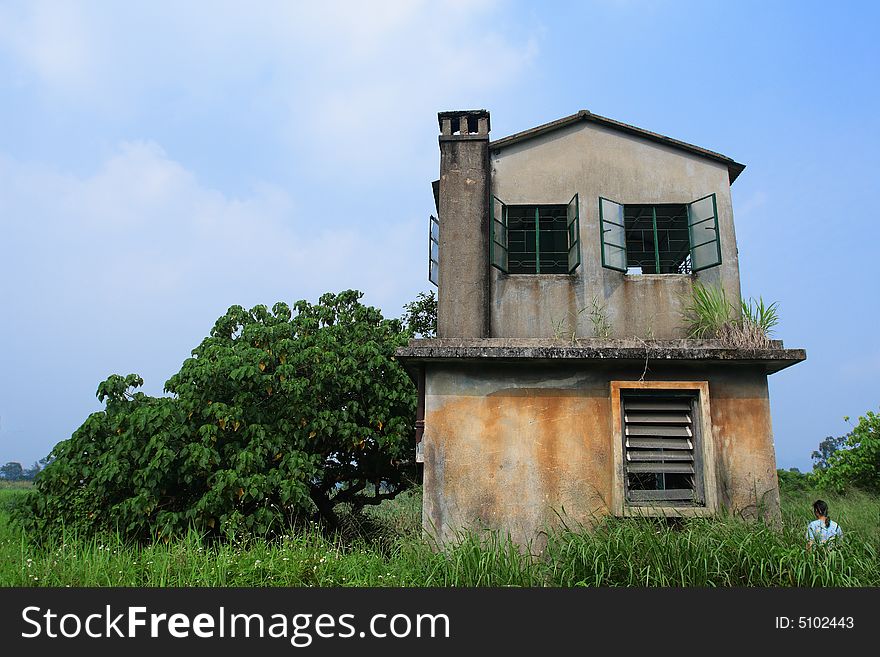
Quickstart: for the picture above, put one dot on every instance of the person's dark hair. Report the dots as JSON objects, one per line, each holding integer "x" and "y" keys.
{"x": 821, "y": 509}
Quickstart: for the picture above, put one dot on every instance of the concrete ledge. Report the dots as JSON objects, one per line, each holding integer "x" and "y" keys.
{"x": 773, "y": 359}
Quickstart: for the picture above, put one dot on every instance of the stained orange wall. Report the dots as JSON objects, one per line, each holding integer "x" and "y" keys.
{"x": 524, "y": 447}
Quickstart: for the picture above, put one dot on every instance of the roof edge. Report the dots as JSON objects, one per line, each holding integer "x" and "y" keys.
{"x": 734, "y": 168}
{"x": 772, "y": 359}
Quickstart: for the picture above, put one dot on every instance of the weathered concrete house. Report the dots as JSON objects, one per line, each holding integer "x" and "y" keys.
{"x": 560, "y": 384}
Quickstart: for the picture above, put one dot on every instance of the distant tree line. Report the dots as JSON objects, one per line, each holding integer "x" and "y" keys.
{"x": 14, "y": 471}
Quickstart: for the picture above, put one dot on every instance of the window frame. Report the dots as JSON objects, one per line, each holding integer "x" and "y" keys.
{"x": 499, "y": 245}
{"x": 706, "y": 446}
{"x": 434, "y": 250}
{"x": 606, "y": 261}
{"x": 692, "y": 222}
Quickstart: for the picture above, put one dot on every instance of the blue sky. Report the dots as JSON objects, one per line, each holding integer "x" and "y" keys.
{"x": 160, "y": 162}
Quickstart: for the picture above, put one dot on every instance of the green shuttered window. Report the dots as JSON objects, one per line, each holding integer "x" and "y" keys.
{"x": 535, "y": 239}
{"x": 434, "y": 250}
{"x": 703, "y": 233}
{"x": 498, "y": 235}
{"x": 661, "y": 238}
{"x": 611, "y": 223}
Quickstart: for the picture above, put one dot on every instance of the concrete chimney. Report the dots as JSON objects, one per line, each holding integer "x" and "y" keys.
{"x": 463, "y": 282}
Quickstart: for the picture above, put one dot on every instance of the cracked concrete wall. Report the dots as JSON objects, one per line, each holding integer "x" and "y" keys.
{"x": 592, "y": 161}
{"x": 522, "y": 449}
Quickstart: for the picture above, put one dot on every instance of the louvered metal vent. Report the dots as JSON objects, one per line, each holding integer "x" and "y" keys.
{"x": 662, "y": 459}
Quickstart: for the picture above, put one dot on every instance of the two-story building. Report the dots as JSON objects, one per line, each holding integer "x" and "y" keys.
{"x": 561, "y": 384}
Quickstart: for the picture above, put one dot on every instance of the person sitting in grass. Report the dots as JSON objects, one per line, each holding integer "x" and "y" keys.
{"x": 823, "y": 529}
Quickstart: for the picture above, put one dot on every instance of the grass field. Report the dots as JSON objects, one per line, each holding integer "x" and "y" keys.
{"x": 629, "y": 552}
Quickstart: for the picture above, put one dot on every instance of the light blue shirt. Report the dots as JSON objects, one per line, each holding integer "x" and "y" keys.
{"x": 819, "y": 533}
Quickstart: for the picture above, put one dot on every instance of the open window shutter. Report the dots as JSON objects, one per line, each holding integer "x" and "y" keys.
{"x": 703, "y": 233}
{"x": 613, "y": 235}
{"x": 434, "y": 250}
{"x": 659, "y": 440}
{"x": 498, "y": 235}
{"x": 574, "y": 234}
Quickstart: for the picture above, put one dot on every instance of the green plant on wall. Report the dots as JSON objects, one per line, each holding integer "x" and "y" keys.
{"x": 763, "y": 317}
{"x": 599, "y": 319}
{"x": 709, "y": 314}
{"x": 598, "y": 316}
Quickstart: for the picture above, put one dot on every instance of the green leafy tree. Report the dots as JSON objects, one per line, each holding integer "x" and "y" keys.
{"x": 279, "y": 415}
{"x": 420, "y": 316}
{"x": 120, "y": 469}
{"x": 12, "y": 471}
{"x": 857, "y": 463}
{"x": 827, "y": 447}
{"x": 29, "y": 474}
{"x": 793, "y": 480}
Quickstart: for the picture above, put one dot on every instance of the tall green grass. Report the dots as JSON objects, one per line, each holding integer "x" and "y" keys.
{"x": 16, "y": 485}
{"x": 708, "y": 314}
{"x": 761, "y": 316}
{"x": 386, "y": 549}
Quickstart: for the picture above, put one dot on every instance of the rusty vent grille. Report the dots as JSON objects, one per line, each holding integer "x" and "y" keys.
{"x": 662, "y": 463}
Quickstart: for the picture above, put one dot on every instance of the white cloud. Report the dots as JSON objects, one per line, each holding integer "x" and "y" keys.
{"x": 120, "y": 262}
{"x": 336, "y": 77}
{"x": 142, "y": 229}
{"x": 446, "y": 56}
{"x": 55, "y": 41}
{"x": 126, "y": 269}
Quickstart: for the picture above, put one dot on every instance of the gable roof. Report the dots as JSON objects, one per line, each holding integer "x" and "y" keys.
{"x": 733, "y": 168}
